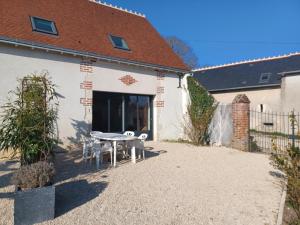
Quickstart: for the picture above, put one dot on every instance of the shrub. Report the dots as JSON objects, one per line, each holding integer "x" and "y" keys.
{"x": 29, "y": 119}
{"x": 289, "y": 163}
{"x": 200, "y": 111}
{"x": 36, "y": 175}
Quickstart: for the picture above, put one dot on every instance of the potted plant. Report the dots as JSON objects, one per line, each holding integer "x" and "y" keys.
{"x": 35, "y": 194}
{"x": 28, "y": 128}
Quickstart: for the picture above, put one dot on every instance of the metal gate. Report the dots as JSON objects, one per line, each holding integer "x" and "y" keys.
{"x": 270, "y": 130}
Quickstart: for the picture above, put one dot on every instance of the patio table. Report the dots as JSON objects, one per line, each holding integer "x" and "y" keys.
{"x": 114, "y": 138}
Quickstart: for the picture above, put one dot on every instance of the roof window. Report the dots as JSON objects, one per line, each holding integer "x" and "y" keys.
{"x": 264, "y": 78}
{"x": 118, "y": 42}
{"x": 43, "y": 25}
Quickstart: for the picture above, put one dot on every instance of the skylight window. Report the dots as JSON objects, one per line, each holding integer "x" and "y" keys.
{"x": 118, "y": 42}
{"x": 264, "y": 78}
{"x": 43, "y": 26}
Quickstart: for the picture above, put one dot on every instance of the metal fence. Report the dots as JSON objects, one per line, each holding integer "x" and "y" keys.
{"x": 270, "y": 130}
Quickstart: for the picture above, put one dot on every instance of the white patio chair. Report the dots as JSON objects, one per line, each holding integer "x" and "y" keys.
{"x": 140, "y": 144}
{"x": 99, "y": 148}
{"x": 86, "y": 149}
{"x": 129, "y": 133}
{"x": 122, "y": 146}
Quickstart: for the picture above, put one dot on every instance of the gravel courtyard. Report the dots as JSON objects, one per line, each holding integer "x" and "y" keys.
{"x": 177, "y": 184}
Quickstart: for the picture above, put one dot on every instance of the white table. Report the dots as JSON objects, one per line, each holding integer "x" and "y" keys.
{"x": 114, "y": 138}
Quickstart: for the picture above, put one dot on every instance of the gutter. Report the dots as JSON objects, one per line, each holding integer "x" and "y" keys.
{"x": 245, "y": 88}
{"x": 50, "y": 48}
{"x": 290, "y": 73}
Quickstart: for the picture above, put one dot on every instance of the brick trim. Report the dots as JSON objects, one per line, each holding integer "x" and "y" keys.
{"x": 87, "y": 85}
{"x": 86, "y": 101}
{"x": 128, "y": 80}
{"x": 159, "y": 104}
{"x": 160, "y": 76}
{"x": 160, "y": 90}
{"x": 86, "y": 67}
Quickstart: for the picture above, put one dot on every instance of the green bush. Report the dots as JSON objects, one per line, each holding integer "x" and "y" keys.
{"x": 29, "y": 119}
{"x": 200, "y": 111}
{"x": 289, "y": 163}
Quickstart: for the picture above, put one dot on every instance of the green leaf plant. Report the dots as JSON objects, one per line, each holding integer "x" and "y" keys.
{"x": 28, "y": 119}
{"x": 200, "y": 112}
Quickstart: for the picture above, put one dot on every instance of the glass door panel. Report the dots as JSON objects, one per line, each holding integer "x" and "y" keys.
{"x": 143, "y": 113}
{"x": 100, "y": 112}
{"x": 131, "y": 112}
{"x": 116, "y": 113}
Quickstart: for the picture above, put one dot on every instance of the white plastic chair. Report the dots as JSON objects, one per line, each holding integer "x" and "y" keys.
{"x": 140, "y": 144}
{"x": 129, "y": 133}
{"x": 86, "y": 149}
{"x": 122, "y": 146}
{"x": 99, "y": 148}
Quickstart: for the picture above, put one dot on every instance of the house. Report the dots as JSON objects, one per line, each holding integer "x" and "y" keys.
{"x": 271, "y": 84}
{"x": 113, "y": 70}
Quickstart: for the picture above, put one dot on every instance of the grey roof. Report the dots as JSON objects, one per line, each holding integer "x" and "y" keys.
{"x": 247, "y": 75}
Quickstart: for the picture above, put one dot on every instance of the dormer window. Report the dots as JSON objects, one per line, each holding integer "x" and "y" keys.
{"x": 43, "y": 25}
{"x": 118, "y": 42}
{"x": 264, "y": 78}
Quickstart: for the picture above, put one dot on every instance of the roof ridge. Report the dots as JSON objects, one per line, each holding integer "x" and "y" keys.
{"x": 247, "y": 61}
{"x": 118, "y": 8}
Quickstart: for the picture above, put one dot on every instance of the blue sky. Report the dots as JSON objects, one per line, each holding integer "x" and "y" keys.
{"x": 223, "y": 31}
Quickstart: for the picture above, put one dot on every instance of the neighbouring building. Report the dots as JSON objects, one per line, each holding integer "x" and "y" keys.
{"x": 113, "y": 70}
{"x": 272, "y": 84}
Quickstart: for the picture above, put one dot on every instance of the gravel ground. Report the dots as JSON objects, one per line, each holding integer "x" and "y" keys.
{"x": 177, "y": 184}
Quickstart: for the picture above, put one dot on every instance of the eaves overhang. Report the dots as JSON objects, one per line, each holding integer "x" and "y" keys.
{"x": 91, "y": 55}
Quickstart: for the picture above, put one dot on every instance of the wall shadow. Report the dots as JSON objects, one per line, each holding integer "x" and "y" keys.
{"x": 149, "y": 153}
{"x": 82, "y": 130}
{"x": 73, "y": 194}
{"x": 69, "y": 164}
{"x": 8, "y": 167}
{"x": 277, "y": 174}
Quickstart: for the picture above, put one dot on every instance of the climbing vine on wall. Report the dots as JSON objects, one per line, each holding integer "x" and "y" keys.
{"x": 200, "y": 111}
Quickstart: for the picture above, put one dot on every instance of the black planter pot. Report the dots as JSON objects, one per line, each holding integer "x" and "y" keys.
{"x": 34, "y": 205}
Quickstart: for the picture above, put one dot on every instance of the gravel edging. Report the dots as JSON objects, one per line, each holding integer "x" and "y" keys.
{"x": 281, "y": 205}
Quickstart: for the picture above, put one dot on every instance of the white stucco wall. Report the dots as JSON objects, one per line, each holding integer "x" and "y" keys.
{"x": 270, "y": 98}
{"x": 290, "y": 93}
{"x": 16, "y": 62}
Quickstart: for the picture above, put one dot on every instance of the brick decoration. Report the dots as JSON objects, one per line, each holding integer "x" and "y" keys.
{"x": 86, "y": 67}
{"x": 241, "y": 122}
{"x": 87, "y": 85}
{"x": 160, "y": 76}
{"x": 159, "y": 104}
{"x": 86, "y": 101}
{"x": 160, "y": 90}
{"x": 128, "y": 80}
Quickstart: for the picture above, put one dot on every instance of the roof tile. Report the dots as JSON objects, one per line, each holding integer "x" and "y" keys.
{"x": 84, "y": 26}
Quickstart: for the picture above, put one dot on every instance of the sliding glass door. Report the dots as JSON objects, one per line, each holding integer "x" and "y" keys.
{"x": 115, "y": 112}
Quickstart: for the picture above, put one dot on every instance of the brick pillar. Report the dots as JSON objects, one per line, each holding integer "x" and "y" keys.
{"x": 241, "y": 122}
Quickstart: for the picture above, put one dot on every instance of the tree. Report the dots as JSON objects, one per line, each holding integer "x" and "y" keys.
{"x": 183, "y": 50}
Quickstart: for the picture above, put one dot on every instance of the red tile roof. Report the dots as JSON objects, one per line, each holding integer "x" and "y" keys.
{"x": 84, "y": 26}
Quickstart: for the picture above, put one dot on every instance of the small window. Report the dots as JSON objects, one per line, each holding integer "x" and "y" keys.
{"x": 118, "y": 42}
{"x": 264, "y": 78}
{"x": 43, "y": 26}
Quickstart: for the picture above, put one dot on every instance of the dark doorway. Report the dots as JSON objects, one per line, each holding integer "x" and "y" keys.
{"x": 116, "y": 112}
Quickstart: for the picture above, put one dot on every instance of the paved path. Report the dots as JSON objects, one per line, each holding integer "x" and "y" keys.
{"x": 177, "y": 184}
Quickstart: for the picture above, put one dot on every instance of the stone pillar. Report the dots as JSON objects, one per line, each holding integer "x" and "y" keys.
{"x": 241, "y": 122}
